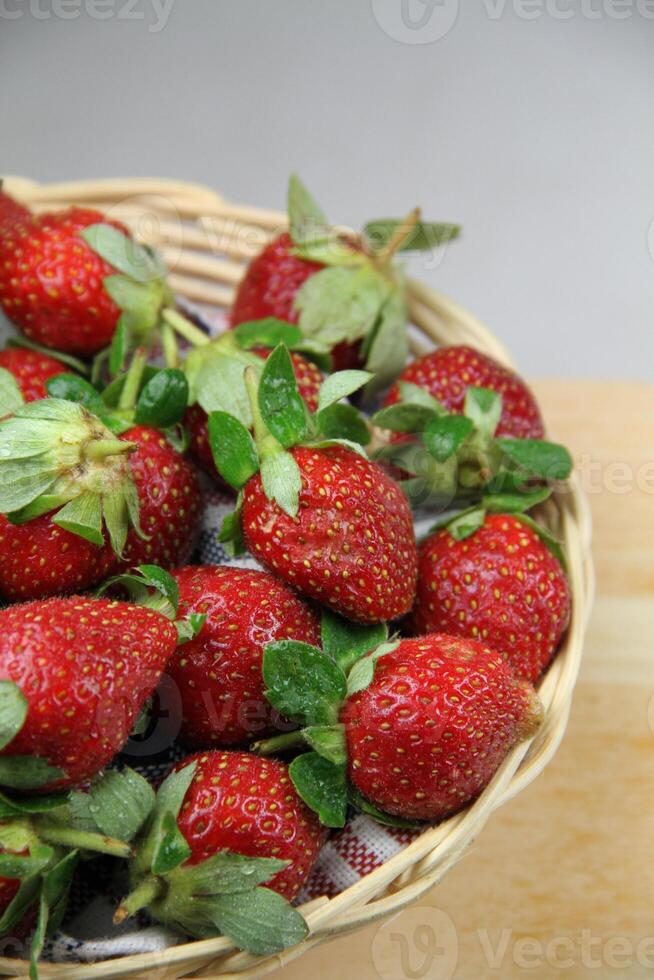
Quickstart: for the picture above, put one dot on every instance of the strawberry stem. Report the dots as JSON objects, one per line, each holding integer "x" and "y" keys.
{"x": 132, "y": 385}
{"x": 143, "y": 895}
{"x": 181, "y": 325}
{"x": 169, "y": 344}
{"x": 279, "y": 743}
{"x": 399, "y": 237}
{"x": 101, "y": 448}
{"x": 83, "y": 839}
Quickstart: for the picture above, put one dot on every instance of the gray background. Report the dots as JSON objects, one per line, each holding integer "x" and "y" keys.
{"x": 529, "y": 122}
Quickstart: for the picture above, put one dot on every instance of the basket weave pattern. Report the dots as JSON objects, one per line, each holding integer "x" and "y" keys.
{"x": 205, "y": 242}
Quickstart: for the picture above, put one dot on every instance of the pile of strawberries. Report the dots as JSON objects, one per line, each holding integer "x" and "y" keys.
{"x": 356, "y": 670}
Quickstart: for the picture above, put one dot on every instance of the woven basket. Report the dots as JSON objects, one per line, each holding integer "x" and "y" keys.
{"x": 205, "y": 242}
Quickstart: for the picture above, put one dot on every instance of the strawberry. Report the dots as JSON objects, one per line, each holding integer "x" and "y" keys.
{"x": 64, "y": 479}
{"x": 351, "y": 545}
{"x": 448, "y": 372}
{"x": 313, "y": 509}
{"x": 432, "y": 728}
{"x": 170, "y": 504}
{"x": 31, "y": 369}
{"x": 51, "y": 282}
{"x": 225, "y": 823}
{"x": 81, "y": 669}
{"x": 308, "y": 377}
{"x": 11, "y": 211}
{"x": 218, "y": 674}
{"x": 340, "y": 288}
{"x": 413, "y": 729}
{"x": 43, "y": 559}
{"x": 500, "y": 584}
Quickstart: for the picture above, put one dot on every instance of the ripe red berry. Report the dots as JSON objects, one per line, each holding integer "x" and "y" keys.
{"x": 352, "y": 544}
{"x": 432, "y": 728}
{"x": 31, "y": 370}
{"x": 448, "y": 372}
{"x": 170, "y": 502}
{"x": 219, "y": 673}
{"x": 51, "y": 282}
{"x": 500, "y": 585}
{"x": 245, "y": 804}
{"x": 11, "y": 211}
{"x": 85, "y": 667}
{"x": 269, "y": 287}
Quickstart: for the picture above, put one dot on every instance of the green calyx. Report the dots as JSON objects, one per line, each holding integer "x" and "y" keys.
{"x": 154, "y": 588}
{"x": 454, "y": 460}
{"x": 220, "y": 895}
{"x": 359, "y": 296}
{"x": 309, "y": 686}
{"x": 42, "y": 837}
{"x": 280, "y": 421}
{"x": 56, "y": 455}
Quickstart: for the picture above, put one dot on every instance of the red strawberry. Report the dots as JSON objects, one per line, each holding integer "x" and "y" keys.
{"x": 432, "y": 728}
{"x": 241, "y": 803}
{"x": 41, "y": 559}
{"x": 269, "y": 288}
{"x": 31, "y": 369}
{"x": 218, "y": 674}
{"x": 11, "y": 211}
{"x": 309, "y": 379}
{"x": 501, "y": 585}
{"x": 85, "y": 668}
{"x": 169, "y": 501}
{"x": 51, "y": 282}
{"x": 351, "y": 545}
{"x": 448, "y": 372}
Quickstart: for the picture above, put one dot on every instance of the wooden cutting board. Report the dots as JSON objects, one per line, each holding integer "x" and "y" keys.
{"x": 561, "y": 881}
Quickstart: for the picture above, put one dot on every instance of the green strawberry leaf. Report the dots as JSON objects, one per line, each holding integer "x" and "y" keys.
{"x": 170, "y": 847}
{"x": 343, "y": 421}
{"x": 547, "y": 460}
{"x": 363, "y": 671}
{"x": 111, "y": 394}
{"x": 22, "y": 866}
{"x": 76, "y": 389}
{"x": 303, "y": 683}
{"x": 484, "y": 408}
{"x": 323, "y": 787}
{"x": 141, "y": 305}
{"x": 17, "y": 806}
{"x": 122, "y": 252}
{"x": 216, "y": 381}
{"x": 445, "y": 434}
{"x": 117, "y": 804}
{"x": 25, "y": 772}
{"x": 139, "y": 583}
{"x": 13, "y": 711}
{"x": 268, "y": 332}
{"x": 346, "y": 642}
{"x": 424, "y": 237}
{"x": 231, "y": 531}
{"x": 339, "y": 303}
{"x": 56, "y": 886}
{"x": 38, "y": 936}
{"x": 330, "y": 251}
{"x": 227, "y": 873}
{"x": 280, "y": 402}
{"x": 282, "y": 481}
{"x": 404, "y": 417}
{"x": 514, "y": 503}
{"x": 340, "y": 385}
{"x": 83, "y": 517}
{"x": 466, "y": 523}
{"x": 233, "y": 449}
{"x": 259, "y": 921}
{"x": 10, "y": 393}
{"x": 163, "y": 400}
{"x": 359, "y": 801}
{"x": 328, "y": 741}
{"x": 307, "y": 222}
{"x": 189, "y": 628}
{"x": 415, "y": 395}
{"x": 387, "y": 348}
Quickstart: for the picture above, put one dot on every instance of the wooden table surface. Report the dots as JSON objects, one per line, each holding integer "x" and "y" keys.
{"x": 561, "y": 881}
